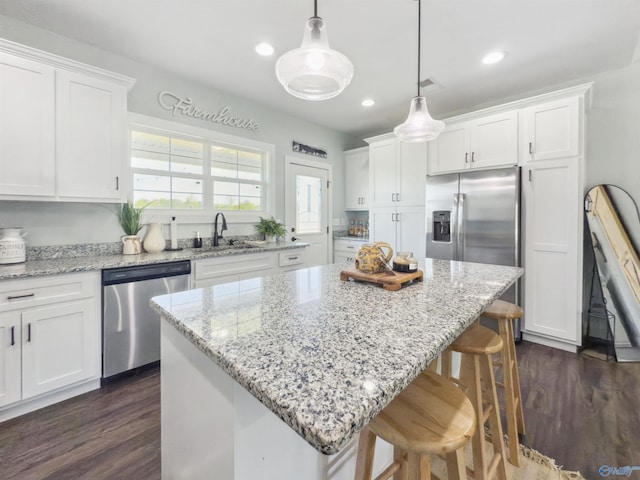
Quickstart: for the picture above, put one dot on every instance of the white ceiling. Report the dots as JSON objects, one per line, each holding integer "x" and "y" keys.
{"x": 549, "y": 42}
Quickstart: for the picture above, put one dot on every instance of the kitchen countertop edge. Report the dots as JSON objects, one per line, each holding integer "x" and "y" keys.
{"x": 57, "y": 266}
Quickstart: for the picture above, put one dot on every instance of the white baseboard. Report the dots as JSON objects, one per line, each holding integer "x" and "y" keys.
{"x": 550, "y": 342}
{"x": 36, "y": 403}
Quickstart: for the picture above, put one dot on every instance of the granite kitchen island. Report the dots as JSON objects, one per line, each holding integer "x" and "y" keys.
{"x": 274, "y": 377}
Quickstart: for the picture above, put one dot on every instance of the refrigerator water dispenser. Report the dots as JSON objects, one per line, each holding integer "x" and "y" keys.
{"x": 442, "y": 226}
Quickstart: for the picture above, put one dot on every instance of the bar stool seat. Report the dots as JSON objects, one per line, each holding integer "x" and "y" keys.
{"x": 505, "y": 313}
{"x": 477, "y": 344}
{"x": 430, "y": 416}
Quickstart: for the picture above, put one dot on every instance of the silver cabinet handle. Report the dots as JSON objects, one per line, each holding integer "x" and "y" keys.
{"x": 473, "y": 157}
{"x": 397, "y": 217}
{"x": 13, "y": 335}
{"x": 292, "y": 258}
{"x": 397, "y": 197}
{"x": 28, "y": 332}
{"x": 351, "y": 247}
{"x": 530, "y": 148}
{"x": 15, "y": 297}
{"x": 117, "y": 183}
{"x": 466, "y": 157}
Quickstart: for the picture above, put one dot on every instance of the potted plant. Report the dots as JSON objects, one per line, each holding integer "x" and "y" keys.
{"x": 131, "y": 221}
{"x": 270, "y": 228}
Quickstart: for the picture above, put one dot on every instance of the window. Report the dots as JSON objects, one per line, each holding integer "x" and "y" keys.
{"x": 185, "y": 171}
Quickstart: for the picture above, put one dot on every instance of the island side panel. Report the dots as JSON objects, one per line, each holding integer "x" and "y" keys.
{"x": 197, "y": 418}
{"x": 214, "y": 428}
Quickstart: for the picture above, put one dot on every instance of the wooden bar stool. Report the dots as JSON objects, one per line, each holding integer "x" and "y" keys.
{"x": 505, "y": 313}
{"x": 430, "y": 416}
{"x": 477, "y": 344}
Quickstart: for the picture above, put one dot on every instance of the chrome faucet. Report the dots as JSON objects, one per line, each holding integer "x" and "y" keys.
{"x": 217, "y": 237}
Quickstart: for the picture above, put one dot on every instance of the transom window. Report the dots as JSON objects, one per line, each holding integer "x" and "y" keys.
{"x": 185, "y": 173}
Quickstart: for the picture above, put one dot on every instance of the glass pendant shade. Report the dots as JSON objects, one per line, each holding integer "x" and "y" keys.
{"x": 419, "y": 126}
{"x": 314, "y": 71}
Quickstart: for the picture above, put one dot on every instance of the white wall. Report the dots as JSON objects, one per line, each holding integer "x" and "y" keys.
{"x": 613, "y": 136}
{"x": 60, "y": 223}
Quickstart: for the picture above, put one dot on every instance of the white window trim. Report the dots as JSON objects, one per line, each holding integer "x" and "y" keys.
{"x": 137, "y": 120}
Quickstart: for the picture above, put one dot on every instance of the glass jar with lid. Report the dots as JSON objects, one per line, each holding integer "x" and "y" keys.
{"x": 405, "y": 262}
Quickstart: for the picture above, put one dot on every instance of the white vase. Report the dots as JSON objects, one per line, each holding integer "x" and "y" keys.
{"x": 131, "y": 245}
{"x": 154, "y": 240}
{"x": 270, "y": 238}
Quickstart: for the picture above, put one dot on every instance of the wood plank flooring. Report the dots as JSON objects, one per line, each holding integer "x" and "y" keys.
{"x": 582, "y": 411}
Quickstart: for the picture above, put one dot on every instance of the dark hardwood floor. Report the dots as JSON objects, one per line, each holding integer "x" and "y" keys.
{"x": 582, "y": 411}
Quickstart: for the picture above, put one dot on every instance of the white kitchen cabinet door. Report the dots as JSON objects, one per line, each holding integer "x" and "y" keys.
{"x": 10, "y": 348}
{"x": 553, "y": 129}
{"x": 356, "y": 179}
{"x": 58, "y": 346}
{"x": 494, "y": 141}
{"x": 410, "y": 231}
{"x": 411, "y": 173}
{"x": 27, "y": 127}
{"x": 382, "y": 173}
{"x": 382, "y": 225}
{"x": 553, "y": 273}
{"x": 403, "y": 228}
{"x": 450, "y": 151}
{"x": 90, "y": 138}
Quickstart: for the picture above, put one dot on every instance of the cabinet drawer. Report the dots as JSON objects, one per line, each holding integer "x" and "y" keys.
{"x": 347, "y": 246}
{"x": 234, "y": 265}
{"x": 32, "y": 292}
{"x": 290, "y": 258}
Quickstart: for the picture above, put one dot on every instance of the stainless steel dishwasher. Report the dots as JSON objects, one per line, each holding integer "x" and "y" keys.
{"x": 130, "y": 328}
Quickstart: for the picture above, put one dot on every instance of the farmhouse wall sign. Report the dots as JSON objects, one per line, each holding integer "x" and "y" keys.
{"x": 185, "y": 106}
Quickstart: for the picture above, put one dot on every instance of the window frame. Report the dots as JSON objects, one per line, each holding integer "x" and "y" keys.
{"x": 149, "y": 124}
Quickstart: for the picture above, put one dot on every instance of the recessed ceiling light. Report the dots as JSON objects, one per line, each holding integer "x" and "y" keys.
{"x": 493, "y": 57}
{"x": 368, "y": 102}
{"x": 265, "y": 49}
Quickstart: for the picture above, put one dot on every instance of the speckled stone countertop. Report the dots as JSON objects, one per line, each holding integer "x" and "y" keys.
{"x": 55, "y": 266}
{"x": 326, "y": 355}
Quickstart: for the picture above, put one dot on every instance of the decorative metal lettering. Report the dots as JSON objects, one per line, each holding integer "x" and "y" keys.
{"x": 185, "y": 106}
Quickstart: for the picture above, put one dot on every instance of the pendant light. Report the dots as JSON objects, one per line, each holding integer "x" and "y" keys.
{"x": 419, "y": 126}
{"x": 314, "y": 71}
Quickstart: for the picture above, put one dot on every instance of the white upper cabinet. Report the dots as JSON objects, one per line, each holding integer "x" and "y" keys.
{"x": 484, "y": 142}
{"x": 356, "y": 179}
{"x": 27, "y": 127}
{"x": 90, "y": 138}
{"x": 63, "y": 128}
{"x": 552, "y": 129}
{"x": 397, "y": 172}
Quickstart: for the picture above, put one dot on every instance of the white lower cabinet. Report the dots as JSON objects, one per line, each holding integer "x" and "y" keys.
{"x": 403, "y": 228}
{"x": 345, "y": 250}
{"x": 215, "y": 271}
{"x": 50, "y": 334}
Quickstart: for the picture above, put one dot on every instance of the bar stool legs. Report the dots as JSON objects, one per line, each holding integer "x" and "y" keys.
{"x": 505, "y": 313}
{"x": 477, "y": 344}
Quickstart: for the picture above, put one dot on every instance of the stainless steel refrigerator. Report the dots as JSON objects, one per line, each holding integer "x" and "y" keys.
{"x": 475, "y": 217}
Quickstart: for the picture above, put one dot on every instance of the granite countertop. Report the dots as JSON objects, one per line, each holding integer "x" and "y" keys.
{"x": 326, "y": 355}
{"x": 55, "y": 266}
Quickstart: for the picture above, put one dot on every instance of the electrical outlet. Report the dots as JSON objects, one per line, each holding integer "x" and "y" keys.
{"x": 336, "y": 222}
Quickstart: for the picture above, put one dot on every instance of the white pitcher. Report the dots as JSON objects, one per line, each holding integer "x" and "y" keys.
{"x": 12, "y": 245}
{"x": 154, "y": 240}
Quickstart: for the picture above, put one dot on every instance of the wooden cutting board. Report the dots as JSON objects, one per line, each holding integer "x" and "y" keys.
{"x": 389, "y": 279}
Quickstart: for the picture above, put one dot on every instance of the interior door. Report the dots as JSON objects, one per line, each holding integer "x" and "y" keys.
{"x": 307, "y": 208}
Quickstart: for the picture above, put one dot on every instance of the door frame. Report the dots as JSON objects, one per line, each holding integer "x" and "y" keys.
{"x": 288, "y": 194}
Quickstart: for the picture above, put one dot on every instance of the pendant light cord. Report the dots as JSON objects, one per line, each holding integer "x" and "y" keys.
{"x": 315, "y": 8}
{"x": 419, "y": 16}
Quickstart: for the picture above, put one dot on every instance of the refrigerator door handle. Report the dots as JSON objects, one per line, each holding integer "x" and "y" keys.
{"x": 455, "y": 236}
{"x": 460, "y": 227}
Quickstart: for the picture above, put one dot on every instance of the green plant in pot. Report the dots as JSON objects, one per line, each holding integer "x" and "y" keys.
{"x": 130, "y": 218}
{"x": 271, "y": 229}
